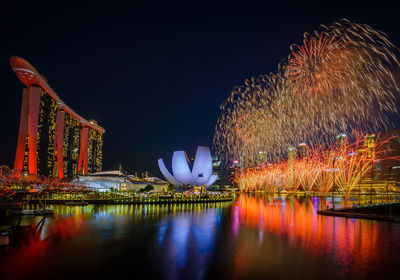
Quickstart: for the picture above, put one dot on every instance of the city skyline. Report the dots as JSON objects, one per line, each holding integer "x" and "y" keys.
{"x": 155, "y": 78}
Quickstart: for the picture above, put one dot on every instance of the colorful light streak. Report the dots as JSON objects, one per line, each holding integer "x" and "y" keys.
{"x": 314, "y": 170}
{"x": 341, "y": 79}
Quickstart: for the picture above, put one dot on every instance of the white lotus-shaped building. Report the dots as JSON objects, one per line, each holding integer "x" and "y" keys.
{"x": 200, "y": 175}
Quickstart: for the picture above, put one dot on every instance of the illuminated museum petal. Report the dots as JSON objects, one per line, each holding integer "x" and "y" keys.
{"x": 212, "y": 180}
{"x": 167, "y": 175}
{"x": 181, "y": 169}
{"x": 200, "y": 175}
{"x": 202, "y": 167}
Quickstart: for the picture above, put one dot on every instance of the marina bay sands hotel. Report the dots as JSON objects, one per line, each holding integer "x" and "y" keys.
{"x": 53, "y": 140}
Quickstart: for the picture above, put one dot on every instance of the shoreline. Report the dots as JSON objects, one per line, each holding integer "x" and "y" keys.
{"x": 78, "y": 202}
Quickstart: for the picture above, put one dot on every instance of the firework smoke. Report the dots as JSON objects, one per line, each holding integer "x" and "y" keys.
{"x": 340, "y": 79}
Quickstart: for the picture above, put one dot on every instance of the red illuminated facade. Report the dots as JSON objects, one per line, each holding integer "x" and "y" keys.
{"x": 53, "y": 140}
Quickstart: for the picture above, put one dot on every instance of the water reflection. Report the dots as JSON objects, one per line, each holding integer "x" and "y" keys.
{"x": 273, "y": 237}
{"x": 186, "y": 241}
{"x": 98, "y": 233}
{"x": 349, "y": 248}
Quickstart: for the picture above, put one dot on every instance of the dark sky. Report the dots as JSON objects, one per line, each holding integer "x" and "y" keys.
{"x": 154, "y": 75}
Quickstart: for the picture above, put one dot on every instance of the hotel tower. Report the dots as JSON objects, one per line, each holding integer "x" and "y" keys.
{"x": 53, "y": 140}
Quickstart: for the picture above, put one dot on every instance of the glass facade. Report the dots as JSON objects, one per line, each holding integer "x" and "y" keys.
{"x": 53, "y": 140}
{"x": 47, "y": 163}
{"x": 95, "y": 150}
{"x": 71, "y": 144}
{"x": 46, "y": 133}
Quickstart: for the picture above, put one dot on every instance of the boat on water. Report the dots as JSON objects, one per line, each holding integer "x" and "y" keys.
{"x": 44, "y": 212}
{"x": 24, "y": 212}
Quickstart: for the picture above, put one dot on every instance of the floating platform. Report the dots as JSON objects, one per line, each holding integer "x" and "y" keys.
{"x": 382, "y": 212}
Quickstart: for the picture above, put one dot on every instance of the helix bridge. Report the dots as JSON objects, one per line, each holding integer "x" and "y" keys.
{"x": 16, "y": 186}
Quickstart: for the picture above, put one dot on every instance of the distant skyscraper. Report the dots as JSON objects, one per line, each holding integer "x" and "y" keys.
{"x": 291, "y": 158}
{"x": 369, "y": 144}
{"x": 261, "y": 157}
{"x": 53, "y": 140}
{"x": 217, "y": 169}
{"x": 303, "y": 150}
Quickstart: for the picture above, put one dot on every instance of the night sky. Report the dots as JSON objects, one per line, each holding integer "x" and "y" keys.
{"x": 154, "y": 75}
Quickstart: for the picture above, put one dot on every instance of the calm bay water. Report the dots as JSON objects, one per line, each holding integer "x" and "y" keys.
{"x": 255, "y": 237}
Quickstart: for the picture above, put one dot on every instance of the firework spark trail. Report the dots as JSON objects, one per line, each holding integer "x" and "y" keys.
{"x": 313, "y": 171}
{"x": 339, "y": 80}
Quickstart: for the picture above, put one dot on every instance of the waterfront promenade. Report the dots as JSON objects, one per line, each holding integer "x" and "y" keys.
{"x": 154, "y": 199}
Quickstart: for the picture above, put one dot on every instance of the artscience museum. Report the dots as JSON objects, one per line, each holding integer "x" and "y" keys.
{"x": 182, "y": 173}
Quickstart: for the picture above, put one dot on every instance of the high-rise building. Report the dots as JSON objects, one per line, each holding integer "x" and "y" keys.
{"x": 303, "y": 150}
{"x": 369, "y": 144}
{"x": 261, "y": 158}
{"x": 53, "y": 140}
{"x": 291, "y": 154}
{"x": 217, "y": 169}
